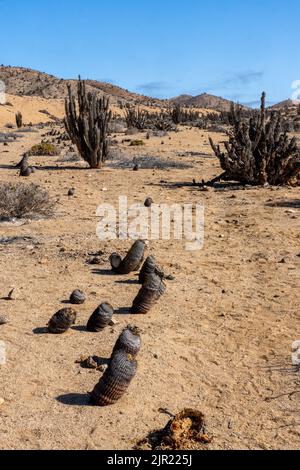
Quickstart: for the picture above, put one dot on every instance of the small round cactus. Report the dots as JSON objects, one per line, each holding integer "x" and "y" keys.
{"x": 148, "y": 202}
{"x": 62, "y": 321}
{"x": 77, "y": 297}
{"x": 101, "y": 318}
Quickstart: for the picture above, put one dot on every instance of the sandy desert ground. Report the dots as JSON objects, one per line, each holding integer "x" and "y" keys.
{"x": 218, "y": 341}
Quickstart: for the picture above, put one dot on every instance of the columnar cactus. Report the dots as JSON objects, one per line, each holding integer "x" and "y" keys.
{"x": 136, "y": 118}
{"x": 19, "y": 120}
{"x": 87, "y": 124}
{"x": 121, "y": 370}
{"x": 115, "y": 380}
{"x": 132, "y": 261}
{"x": 149, "y": 294}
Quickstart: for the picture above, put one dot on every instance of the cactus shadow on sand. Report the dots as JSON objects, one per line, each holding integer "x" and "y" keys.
{"x": 41, "y": 331}
{"x": 123, "y": 311}
{"x": 128, "y": 281}
{"x": 74, "y": 399}
{"x": 286, "y": 203}
{"x": 80, "y": 328}
{"x": 103, "y": 272}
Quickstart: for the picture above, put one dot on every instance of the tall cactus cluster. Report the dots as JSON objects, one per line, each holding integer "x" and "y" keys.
{"x": 180, "y": 115}
{"x": 19, "y": 120}
{"x": 259, "y": 152}
{"x": 136, "y": 118}
{"x": 87, "y": 124}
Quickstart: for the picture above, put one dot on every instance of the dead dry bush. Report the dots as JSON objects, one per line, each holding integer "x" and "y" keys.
{"x": 18, "y": 200}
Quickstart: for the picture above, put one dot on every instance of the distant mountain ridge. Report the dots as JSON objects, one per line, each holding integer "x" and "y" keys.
{"x": 205, "y": 101}
{"x": 286, "y": 104}
{"x": 21, "y": 81}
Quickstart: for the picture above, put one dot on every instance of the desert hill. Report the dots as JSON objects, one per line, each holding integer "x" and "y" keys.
{"x": 22, "y": 81}
{"x": 285, "y": 104}
{"x": 204, "y": 101}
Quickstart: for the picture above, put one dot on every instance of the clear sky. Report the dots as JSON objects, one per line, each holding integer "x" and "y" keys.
{"x": 230, "y": 48}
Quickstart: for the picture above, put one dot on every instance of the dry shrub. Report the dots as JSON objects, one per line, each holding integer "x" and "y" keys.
{"x": 44, "y": 149}
{"x": 136, "y": 143}
{"x": 18, "y": 200}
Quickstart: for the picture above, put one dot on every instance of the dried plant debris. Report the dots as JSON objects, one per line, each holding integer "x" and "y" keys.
{"x": 186, "y": 431}
{"x": 93, "y": 362}
{"x": 18, "y": 200}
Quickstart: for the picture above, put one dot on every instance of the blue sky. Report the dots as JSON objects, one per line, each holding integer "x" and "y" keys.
{"x": 229, "y": 48}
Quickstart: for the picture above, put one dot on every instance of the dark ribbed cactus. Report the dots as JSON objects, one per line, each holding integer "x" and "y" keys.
{"x": 77, "y": 297}
{"x": 115, "y": 380}
{"x": 23, "y": 161}
{"x": 87, "y": 124}
{"x": 101, "y": 318}
{"x": 62, "y": 321}
{"x": 19, "y": 120}
{"x": 258, "y": 151}
{"x": 25, "y": 169}
{"x": 131, "y": 262}
{"x": 148, "y": 202}
{"x": 129, "y": 341}
{"x": 149, "y": 268}
{"x": 151, "y": 291}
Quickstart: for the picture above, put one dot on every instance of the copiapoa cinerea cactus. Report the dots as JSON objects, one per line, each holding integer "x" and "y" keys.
{"x": 19, "y": 120}
{"x": 101, "y": 318}
{"x": 87, "y": 124}
{"x": 121, "y": 370}
{"x": 77, "y": 297}
{"x": 148, "y": 202}
{"x": 115, "y": 380}
{"x": 132, "y": 261}
{"x": 129, "y": 341}
{"x": 150, "y": 267}
{"x": 62, "y": 321}
{"x": 151, "y": 291}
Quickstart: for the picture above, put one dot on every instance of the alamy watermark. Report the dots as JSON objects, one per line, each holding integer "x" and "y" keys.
{"x": 2, "y": 93}
{"x": 296, "y": 353}
{"x": 159, "y": 222}
{"x": 296, "y": 94}
{"x": 2, "y": 353}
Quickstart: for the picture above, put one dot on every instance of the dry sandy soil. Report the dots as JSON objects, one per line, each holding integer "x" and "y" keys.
{"x": 218, "y": 341}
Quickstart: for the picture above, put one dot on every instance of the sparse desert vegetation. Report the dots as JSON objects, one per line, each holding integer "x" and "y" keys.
{"x": 19, "y": 200}
{"x": 140, "y": 342}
